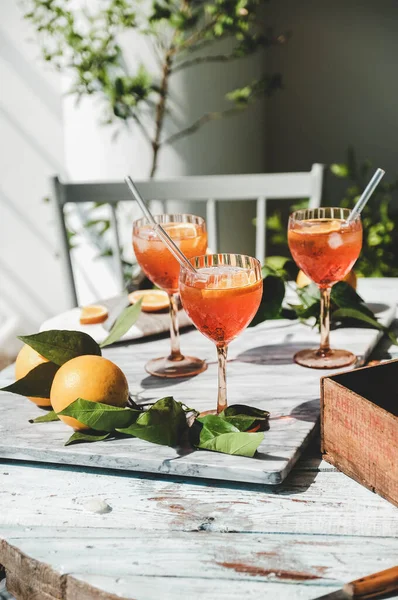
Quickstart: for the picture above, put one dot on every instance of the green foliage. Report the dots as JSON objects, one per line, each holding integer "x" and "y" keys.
{"x": 246, "y": 417}
{"x": 165, "y": 423}
{"x": 277, "y": 227}
{"x": 47, "y": 418}
{"x": 379, "y": 254}
{"x": 345, "y": 304}
{"x": 217, "y": 434}
{"x": 123, "y": 323}
{"x": 85, "y": 43}
{"x": 347, "y": 307}
{"x": 86, "y": 436}
{"x": 61, "y": 345}
{"x": 99, "y": 416}
{"x": 36, "y": 384}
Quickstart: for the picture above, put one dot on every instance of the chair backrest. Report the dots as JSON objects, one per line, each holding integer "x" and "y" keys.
{"x": 209, "y": 189}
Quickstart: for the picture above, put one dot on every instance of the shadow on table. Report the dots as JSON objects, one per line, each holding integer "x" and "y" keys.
{"x": 152, "y": 382}
{"x": 307, "y": 411}
{"x": 377, "y": 307}
{"x": 273, "y": 354}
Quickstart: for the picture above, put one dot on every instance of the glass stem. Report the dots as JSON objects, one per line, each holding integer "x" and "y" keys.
{"x": 324, "y": 348}
{"x": 222, "y": 378}
{"x": 175, "y": 353}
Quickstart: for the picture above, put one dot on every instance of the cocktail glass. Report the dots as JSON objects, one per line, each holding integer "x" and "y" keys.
{"x": 325, "y": 246}
{"x": 221, "y": 300}
{"x": 160, "y": 266}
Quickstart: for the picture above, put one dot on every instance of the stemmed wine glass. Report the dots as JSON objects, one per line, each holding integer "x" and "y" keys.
{"x": 221, "y": 299}
{"x": 160, "y": 266}
{"x": 325, "y": 244}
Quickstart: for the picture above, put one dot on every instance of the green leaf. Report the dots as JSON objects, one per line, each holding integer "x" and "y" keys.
{"x": 310, "y": 302}
{"x": 271, "y": 300}
{"x": 84, "y": 436}
{"x": 123, "y": 323}
{"x": 210, "y": 426}
{"x": 99, "y": 416}
{"x": 36, "y": 384}
{"x": 344, "y": 296}
{"x": 340, "y": 170}
{"x": 352, "y": 313}
{"x": 309, "y": 294}
{"x": 217, "y": 433}
{"x": 159, "y": 12}
{"x": 240, "y": 443}
{"x": 246, "y": 417}
{"x": 279, "y": 265}
{"x": 164, "y": 423}
{"x": 47, "y": 418}
{"x": 59, "y": 345}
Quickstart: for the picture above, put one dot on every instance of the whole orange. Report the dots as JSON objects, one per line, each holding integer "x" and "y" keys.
{"x": 89, "y": 377}
{"x": 27, "y": 360}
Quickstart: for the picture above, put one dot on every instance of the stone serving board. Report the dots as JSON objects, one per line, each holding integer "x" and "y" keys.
{"x": 147, "y": 323}
{"x": 260, "y": 372}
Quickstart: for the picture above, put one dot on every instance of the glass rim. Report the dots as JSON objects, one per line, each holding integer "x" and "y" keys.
{"x": 145, "y": 221}
{"x": 255, "y": 260}
{"x": 299, "y": 214}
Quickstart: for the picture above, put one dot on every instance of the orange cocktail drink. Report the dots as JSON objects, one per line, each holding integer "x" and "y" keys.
{"x": 325, "y": 243}
{"x": 325, "y": 249}
{"x": 156, "y": 260}
{"x": 222, "y": 300}
{"x": 160, "y": 266}
{"x": 224, "y": 305}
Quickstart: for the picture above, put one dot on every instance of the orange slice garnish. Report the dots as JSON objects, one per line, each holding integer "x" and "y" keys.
{"x": 93, "y": 314}
{"x": 182, "y": 231}
{"x": 324, "y": 226}
{"x": 152, "y": 300}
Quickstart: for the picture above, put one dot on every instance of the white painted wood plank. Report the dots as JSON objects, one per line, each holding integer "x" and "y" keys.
{"x": 220, "y": 187}
{"x": 215, "y": 558}
{"x": 308, "y": 502}
{"x": 261, "y": 229}
{"x": 212, "y": 225}
{"x": 168, "y": 588}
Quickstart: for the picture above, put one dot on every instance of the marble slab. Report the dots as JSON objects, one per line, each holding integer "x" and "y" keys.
{"x": 261, "y": 372}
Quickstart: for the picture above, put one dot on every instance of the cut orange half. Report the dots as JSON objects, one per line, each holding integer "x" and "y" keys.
{"x": 152, "y": 300}
{"x": 93, "y": 314}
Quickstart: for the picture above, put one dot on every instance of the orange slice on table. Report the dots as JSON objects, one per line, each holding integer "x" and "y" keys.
{"x": 93, "y": 314}
{"x": 152, "y": 300}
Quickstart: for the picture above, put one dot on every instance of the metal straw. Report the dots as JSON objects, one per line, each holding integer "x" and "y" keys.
{"x": 368, "y": 191}
{"x": 174, "y": 249}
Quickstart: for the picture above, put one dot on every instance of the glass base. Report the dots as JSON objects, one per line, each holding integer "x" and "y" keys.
{"x": 187, "y": 366}
{"x": 204, "y": 413}
{"x": 334, "y": 359}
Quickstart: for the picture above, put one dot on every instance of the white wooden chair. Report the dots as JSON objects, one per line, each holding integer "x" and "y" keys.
{"x": 209, "y": 189}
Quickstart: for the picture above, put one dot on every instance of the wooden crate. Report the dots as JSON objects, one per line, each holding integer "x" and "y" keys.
{"x": 359, "y": 426}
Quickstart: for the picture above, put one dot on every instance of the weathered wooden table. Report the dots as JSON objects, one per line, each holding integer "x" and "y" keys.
{"x": 83, "y": 534}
